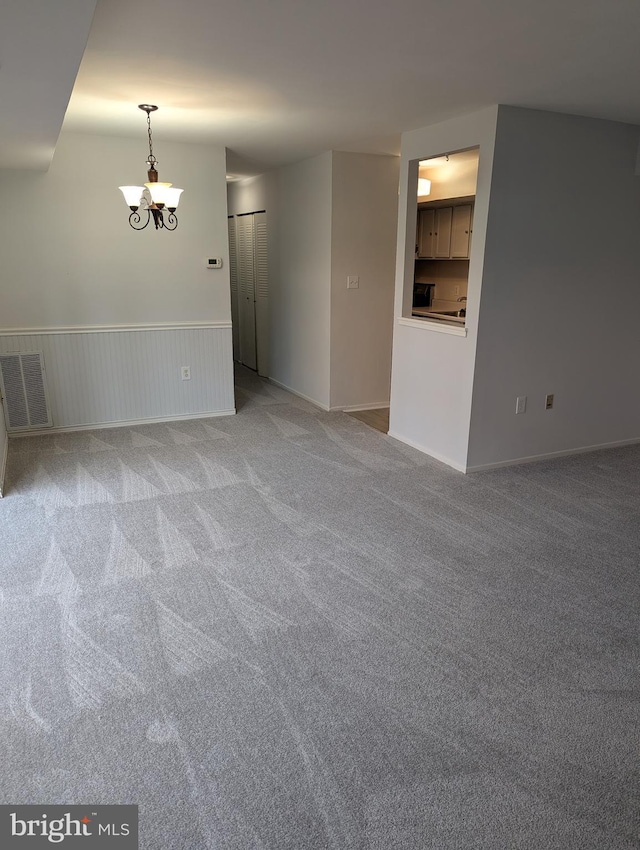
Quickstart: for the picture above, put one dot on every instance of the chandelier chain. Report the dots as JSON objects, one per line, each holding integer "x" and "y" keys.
{"x": 151, "y": 156}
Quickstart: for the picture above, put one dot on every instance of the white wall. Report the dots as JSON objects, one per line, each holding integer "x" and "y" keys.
{"x": 117, "y": 376}
{"x": 252, "y": 194}
{"x": 71, "y": 261}
{"x": 561, "y": 289}
{"x": 432, "y": 372}
{"x": 70, "y": 258}
{"x": 300, "y": 296}
{"x": 363, "y": 243}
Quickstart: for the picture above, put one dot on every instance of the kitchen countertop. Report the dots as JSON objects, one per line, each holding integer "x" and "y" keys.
{"x": 428, "y": 313}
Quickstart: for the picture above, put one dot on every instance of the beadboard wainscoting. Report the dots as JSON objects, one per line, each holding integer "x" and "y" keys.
{"x": 100, "y": 376}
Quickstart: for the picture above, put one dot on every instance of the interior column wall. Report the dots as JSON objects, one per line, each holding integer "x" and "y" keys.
{"x": 363, "y": 243}
{"x": 432, "y": 372}
{"x": 300, "y": 296}
{"x": 560, "y": 289}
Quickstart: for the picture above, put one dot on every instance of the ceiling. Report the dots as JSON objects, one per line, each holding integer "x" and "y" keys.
{"x": 279, "y": 81}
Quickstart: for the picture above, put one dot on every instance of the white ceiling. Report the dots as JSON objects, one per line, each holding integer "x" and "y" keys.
{"x": 279, "y": 80}
{"x": 41, "y": 45}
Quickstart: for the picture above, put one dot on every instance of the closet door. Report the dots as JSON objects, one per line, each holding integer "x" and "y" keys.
{"x": 4, "y": 445}
{"x": 233, "y": 274}
{"x": 262, "y": 291}
{"x": 246, "y": 290}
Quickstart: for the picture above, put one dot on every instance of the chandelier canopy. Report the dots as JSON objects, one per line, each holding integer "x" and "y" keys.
{"x": 155, "y": 198}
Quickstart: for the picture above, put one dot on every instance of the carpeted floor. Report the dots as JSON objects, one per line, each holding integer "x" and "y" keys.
{"x": 284, "y": 630}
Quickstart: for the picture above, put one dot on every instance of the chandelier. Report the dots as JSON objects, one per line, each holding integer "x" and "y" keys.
{"x": 154, "y": 198}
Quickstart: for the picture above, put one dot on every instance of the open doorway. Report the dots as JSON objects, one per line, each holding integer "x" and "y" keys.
{"x": 249, "y": 276}
{"x": 4, "y": 446}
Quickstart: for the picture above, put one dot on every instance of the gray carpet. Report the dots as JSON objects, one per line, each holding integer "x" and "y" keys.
{"x": 285, "y": 630}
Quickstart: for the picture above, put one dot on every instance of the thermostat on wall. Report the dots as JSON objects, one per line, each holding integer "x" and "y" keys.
{"x": 214, "y": 263}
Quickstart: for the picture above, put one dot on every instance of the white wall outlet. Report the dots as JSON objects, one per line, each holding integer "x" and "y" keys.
{"x": 548, "y": 401}
{"x": 353, "y": 281}
{"x": 456, "y": 291}
{"x": 521, "y": 403}
{"x": 185, "y": 373}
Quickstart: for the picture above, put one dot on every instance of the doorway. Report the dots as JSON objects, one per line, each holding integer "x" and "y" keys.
{"x": 249, "y": 290}
{"x": 4, "y": 446}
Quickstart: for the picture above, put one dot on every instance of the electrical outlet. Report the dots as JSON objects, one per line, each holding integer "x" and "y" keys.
{"x": 521, "y": 403}
{"x": 186, "y": 373}
{"x": 548, "y": 401}
{"x": 353, "y": 281}
{"x": 456, "y": 291}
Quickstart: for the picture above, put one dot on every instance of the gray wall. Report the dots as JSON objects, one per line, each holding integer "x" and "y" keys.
{"x": 70, "y": 258}
{"x": 560, "y": 291}
{"x": 363, "y": 243}
{"x": 117, "y": 313}
{"x": 300, "y": 297}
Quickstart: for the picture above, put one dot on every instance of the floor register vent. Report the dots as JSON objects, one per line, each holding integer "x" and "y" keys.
{"x": 24, "y": 391}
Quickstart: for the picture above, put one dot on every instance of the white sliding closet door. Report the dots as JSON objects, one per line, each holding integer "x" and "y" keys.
{"x": 246, "y": 290}
{"x": 4, "y": 445}
{"x": 262, "y": 291}
{"x": 250, "y": 291}
{"x": 233, "y": 274}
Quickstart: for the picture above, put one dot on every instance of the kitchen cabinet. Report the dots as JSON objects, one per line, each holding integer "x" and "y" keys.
{"x": 444, "y": 233}
{"x": 426, "y": 229}
{"x": 460, "y": 231}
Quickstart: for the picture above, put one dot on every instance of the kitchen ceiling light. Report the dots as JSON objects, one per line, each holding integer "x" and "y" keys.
{"x": 424, "y": 186}
{"x": 154, "y": 197}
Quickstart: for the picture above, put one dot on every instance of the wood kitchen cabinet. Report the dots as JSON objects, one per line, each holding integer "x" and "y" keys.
{"x": 426, "y": 229}
{"x": 444, "y": 233}
{"x": 460, "y": 231}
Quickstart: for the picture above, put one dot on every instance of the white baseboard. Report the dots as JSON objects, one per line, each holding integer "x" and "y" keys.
{"x": 3, "y": 462}
{"x": 300, "y": 395}
{"x": 551, "y": 455}
{"x": 377, "y": 405}
{"x": 427, "y": 451}
{"x": 97, "y": 426}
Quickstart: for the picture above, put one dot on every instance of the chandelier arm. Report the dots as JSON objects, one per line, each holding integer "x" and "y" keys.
{"x": 171, "y": 221}
{"x": 135, "y": 219}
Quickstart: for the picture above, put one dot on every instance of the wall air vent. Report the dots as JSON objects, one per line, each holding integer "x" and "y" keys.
{"x": 24, "y": 391}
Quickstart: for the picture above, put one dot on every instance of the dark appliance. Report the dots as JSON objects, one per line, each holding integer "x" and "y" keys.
{"x": 422, "y": 294}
